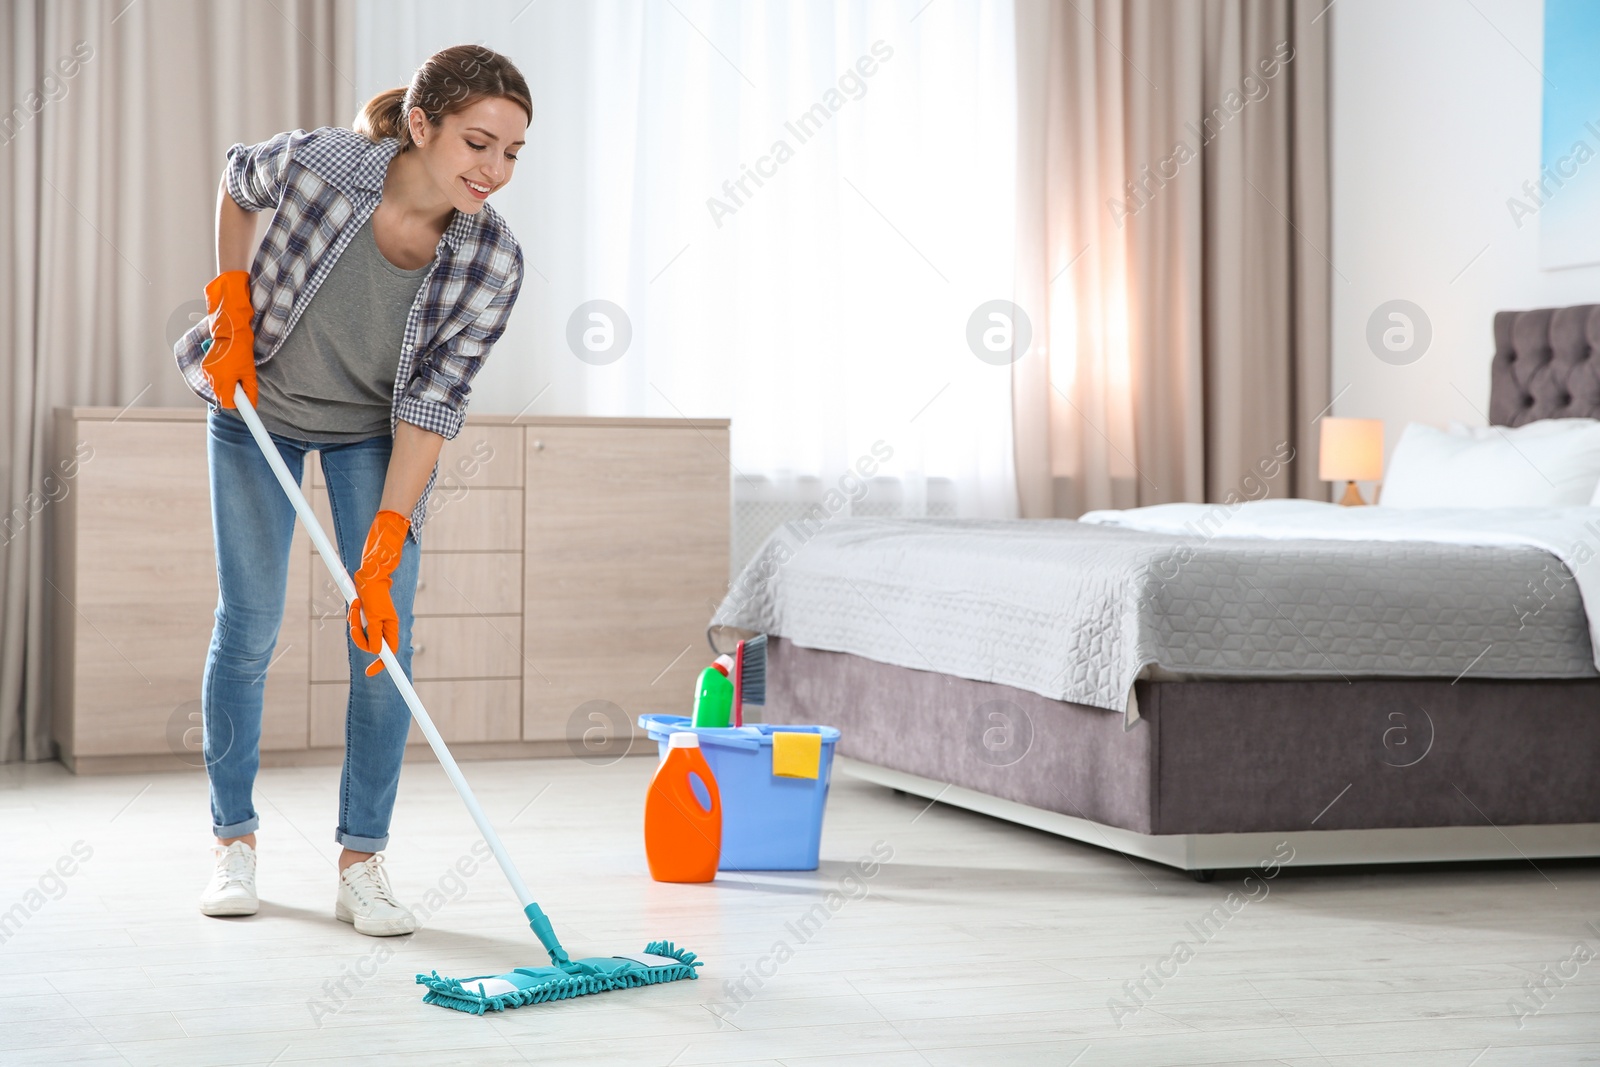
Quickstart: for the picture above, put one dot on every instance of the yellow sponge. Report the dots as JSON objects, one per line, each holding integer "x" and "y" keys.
{"x": 796, "y": 755}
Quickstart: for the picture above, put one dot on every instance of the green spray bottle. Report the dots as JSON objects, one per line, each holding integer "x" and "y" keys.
{"x": 713, "y": 694}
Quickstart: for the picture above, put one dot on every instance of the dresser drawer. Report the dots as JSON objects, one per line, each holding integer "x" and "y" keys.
{"x": 480, "y": 456}
{"x": 469, "y": 583}
{"x": 466, "y": 710}
{"x": 448, "y": 583}
{"x": 474, "y": 520}
{"x": 443, "y": 646}
{"x": 461, "y": 520}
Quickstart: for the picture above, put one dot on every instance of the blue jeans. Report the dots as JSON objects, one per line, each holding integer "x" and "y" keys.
{"x": 253, "y": 523}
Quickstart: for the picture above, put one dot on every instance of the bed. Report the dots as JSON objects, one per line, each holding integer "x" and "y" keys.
{"x": 1196, "y": 686}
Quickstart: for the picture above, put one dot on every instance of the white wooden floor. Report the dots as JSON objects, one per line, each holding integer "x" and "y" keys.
{"x": 978, "y": 942}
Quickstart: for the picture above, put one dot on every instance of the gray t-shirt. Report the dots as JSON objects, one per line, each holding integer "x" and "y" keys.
{"x": 332, "y": 379}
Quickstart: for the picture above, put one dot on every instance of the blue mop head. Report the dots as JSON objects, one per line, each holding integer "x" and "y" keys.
{"x": 661, "y": 961}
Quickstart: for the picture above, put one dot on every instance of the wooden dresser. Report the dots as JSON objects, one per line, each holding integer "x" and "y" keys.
{"x": 569, "y": 568}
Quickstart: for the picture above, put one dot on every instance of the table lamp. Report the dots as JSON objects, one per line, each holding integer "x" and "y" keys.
{"x": 1351, "y": 451}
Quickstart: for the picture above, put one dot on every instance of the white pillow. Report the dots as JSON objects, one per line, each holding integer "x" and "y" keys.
{"x": 1541, "y": 464}
{"x": 1537, "y": 428}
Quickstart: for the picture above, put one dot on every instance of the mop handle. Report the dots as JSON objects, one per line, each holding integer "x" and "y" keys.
{"x": 347, "y": 589}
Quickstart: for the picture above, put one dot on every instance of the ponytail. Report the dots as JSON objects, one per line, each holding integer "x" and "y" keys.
{"x": 381, "y": 117}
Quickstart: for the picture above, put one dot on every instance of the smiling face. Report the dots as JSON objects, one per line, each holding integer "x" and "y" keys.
{"x": 472, "y": 152}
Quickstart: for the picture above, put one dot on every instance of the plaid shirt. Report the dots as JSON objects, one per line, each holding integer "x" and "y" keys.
{"x": 321, "y": 187}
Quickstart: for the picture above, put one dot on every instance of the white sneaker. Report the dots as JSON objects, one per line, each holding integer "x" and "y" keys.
{"x": 233, "y": 884}
{"x": 366, "y": 900}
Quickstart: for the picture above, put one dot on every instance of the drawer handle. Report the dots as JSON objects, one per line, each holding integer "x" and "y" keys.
{"x": 417, "y": 649}
{"x": 422, "y": 583}
{"x": 538, "y": 446}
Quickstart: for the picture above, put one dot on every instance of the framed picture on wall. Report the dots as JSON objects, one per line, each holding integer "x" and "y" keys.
{"x": 1566, "y": 194}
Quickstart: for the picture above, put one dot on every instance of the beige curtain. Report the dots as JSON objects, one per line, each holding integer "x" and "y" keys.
{"x": 1172, "y": 250}
{"x": 120, "y": 115}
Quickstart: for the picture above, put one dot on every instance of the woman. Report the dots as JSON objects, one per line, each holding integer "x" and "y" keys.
{"x": 381, "y": 285}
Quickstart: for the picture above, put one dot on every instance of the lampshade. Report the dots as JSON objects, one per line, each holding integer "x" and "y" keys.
{"x": 1351, "y": 450}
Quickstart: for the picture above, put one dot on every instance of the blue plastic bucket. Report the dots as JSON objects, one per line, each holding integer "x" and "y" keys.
{"x": 768, "y": 823}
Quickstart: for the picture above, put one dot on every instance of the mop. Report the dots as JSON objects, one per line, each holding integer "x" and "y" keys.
{"x": 661, "y": 961}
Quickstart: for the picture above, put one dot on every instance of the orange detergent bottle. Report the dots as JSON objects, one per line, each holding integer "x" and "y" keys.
{"x": 682, "y": 836}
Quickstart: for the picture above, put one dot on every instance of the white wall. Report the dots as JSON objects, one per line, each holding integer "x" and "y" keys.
{"x": 1436, "y": 108}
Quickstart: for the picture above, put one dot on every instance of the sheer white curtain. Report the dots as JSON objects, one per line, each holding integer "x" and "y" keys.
{"x": 797, "y": 207}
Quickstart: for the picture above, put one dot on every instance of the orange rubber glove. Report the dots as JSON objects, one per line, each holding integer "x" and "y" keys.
{"x": 232, "y": 355}
{"x": 378, "y": 560}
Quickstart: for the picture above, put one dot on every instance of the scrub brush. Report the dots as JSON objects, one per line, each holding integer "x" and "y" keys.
{"x": 749, "y": 675}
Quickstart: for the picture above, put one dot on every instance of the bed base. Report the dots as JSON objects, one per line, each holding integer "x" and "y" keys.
{"x": 1216, "y": 773}
{"x": 1205, "y": 853}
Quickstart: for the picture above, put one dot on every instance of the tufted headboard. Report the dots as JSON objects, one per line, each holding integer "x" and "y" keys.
{"x": 1546, "y": 365}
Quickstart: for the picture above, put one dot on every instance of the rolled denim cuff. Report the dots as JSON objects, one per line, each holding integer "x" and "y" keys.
{"x": 238, "y": 829}
{"x": 361, "y": 844}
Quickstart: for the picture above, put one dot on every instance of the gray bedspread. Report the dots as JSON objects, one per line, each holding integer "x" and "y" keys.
{"x": 1075, "y": 611}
